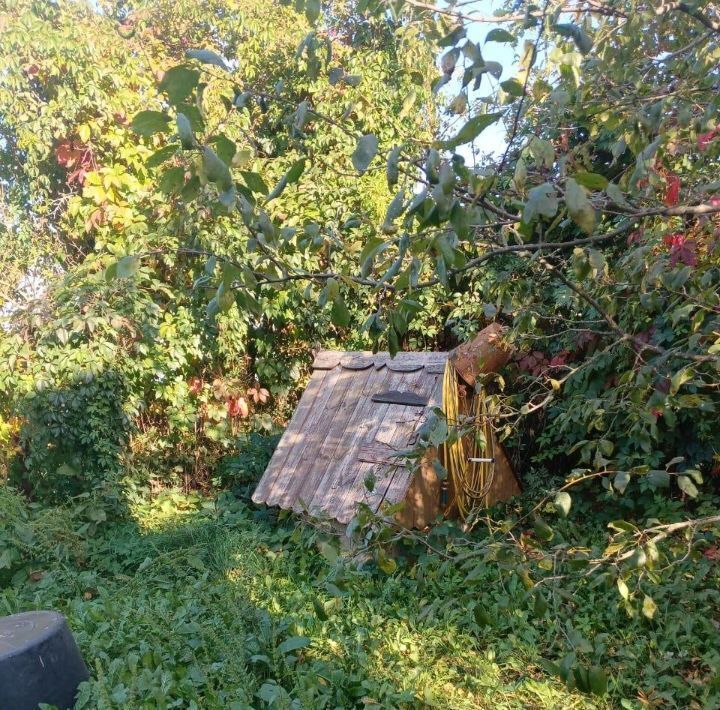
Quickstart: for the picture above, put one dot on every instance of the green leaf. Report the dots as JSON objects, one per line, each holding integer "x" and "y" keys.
{"x": 563, "y": 501}
{"x": 621, "y": 480}
{"x": 312, "y": 10}
{"x": 459, "y": 104}
{"x": 127, "y": 267}
{"x": 593, "y": 181}
{"x": 191, "y": 189}
{"x": 393, "y": 342}
{"x": 185, "y": 132}
{"x": 62, "y": 335}
{"x": 207, "y": 56}
{"x": 512, "y": 87}
{"x": 541, "y": 606}
{"x": 365, "y": 151}
{"x": 658, "y": 479}
{"x": 291, "y": 176}
{"x": 454, "y": 36}
{"x": 623, "y": 589}
{"x": 520, "y": 175}
{"x": 597, "y": 680}
{"x": 147, "y": 123}
{"x": 320, "y": 611}
{"x": 329, "y": 552}
{"x": 339, "y": 313}
{"x": 225, "y": 148}
{"x": 578, "y": 35}
{"x": 614, "y": 192}
{"x": 254, "y": 182}
{"x": 440, "y": 471}
{"x": 471, "y": 130}
{"x": 687, "y": 486}
{"x": 179, "y": 82}
{"x": 680, "y": 378}
{"x": 579, "y": 207}
{"x": 294, "y": 643}
{"x": 160, "y": 156}
{"x": 172, "y": 180}
{"x": 448, "y": 60}
{"x": 649, "y": 607}
{"x": 395, "y": 208}
{"x": 439, "y": 432}
{"x": 542, "y": 201}
{"x": 695, "y": 475}
{"x": 493, "y": 68}
{"x": 407, "y": 104}
{"x": 543, "y": 530}
{"x": 441, "y": 270}
{"x": 385, "y": 563}
{"x": 638, "y": 558}
{"x": 482, "y": 618}
{"x": 84, "y": 133}
{"x": 542, "y": 152}
{"x": 392, "y": 169}
{"x": 227, "y": 197}
{"x": 215, "y": 169}
{"x": 499, "y": 35}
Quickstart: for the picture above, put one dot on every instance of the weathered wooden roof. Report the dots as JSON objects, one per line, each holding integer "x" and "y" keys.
{"x": 357, "y": 409}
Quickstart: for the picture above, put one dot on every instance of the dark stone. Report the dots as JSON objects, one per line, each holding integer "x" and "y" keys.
{"x": 39, "y": 661}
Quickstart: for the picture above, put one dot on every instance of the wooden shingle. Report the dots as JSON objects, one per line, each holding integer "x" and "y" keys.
{"x": 317, "y": 466}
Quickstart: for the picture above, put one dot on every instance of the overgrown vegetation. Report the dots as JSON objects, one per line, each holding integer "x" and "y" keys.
{"x": 192, "y": 603}
{"x": 196, "y": 195}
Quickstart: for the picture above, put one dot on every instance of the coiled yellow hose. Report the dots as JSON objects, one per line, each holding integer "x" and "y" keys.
{"x": 470, "y": 480}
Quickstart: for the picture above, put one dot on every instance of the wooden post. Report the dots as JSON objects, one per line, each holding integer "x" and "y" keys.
{"x": 484, "y": 353}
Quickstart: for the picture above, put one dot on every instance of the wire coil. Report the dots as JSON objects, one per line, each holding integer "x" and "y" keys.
{"x": 470, "y": 479}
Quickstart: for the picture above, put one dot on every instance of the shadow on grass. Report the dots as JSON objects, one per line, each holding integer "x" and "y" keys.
{"x": 229, "y": 607}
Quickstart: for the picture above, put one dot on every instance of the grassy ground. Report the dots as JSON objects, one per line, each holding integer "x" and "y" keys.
{"x": 188, "y": 608}
{"x": 197, "y": 604}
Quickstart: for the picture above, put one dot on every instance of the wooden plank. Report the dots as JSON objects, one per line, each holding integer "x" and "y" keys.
{"x": 407, "y": 362}
{"x": 343, "y": 454}
{"x": 357, "y": 361}
{"x": 276, "y": 473}
{"x": 347, "y": 468}
{"x": 435, "y": 369}
{"x": 486, "y": 352}
{"x": 288, "y": 440}
{"x": 327, "y": 359}
{"x": 410, "y": 399}
{"x": 423, "y": 496}
{"x": 394, "y": 428}
{"x": 404, "y": 482}
{"x": 340, "y": 429}
{"x": 327, "y": 424}
{"x": 305, "y": 436}
{"x": 436, "y": 389}
{"x": 404, "y": 367}
{"x": 378, "y": 452}
{"x": 382, "y": 474}
{"x": 505, "y": 483}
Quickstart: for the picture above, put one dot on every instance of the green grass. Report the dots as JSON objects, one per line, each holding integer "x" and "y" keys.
{"x": 193, "y": 609}
{"x": 190, "y": 604}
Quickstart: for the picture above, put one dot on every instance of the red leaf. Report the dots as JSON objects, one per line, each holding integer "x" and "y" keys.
{"x": 233, "y": 406}
{"x": 672, "y": 194}
{"x": 705, "y": 139}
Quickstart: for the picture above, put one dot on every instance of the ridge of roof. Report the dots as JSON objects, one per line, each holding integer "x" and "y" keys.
{"x": 364, "y": 359}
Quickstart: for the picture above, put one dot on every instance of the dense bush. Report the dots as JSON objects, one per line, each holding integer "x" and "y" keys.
{"x": 131, "y": 380}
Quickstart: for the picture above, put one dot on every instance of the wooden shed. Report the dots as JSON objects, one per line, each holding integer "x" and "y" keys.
{"x": 359, "y": 409}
